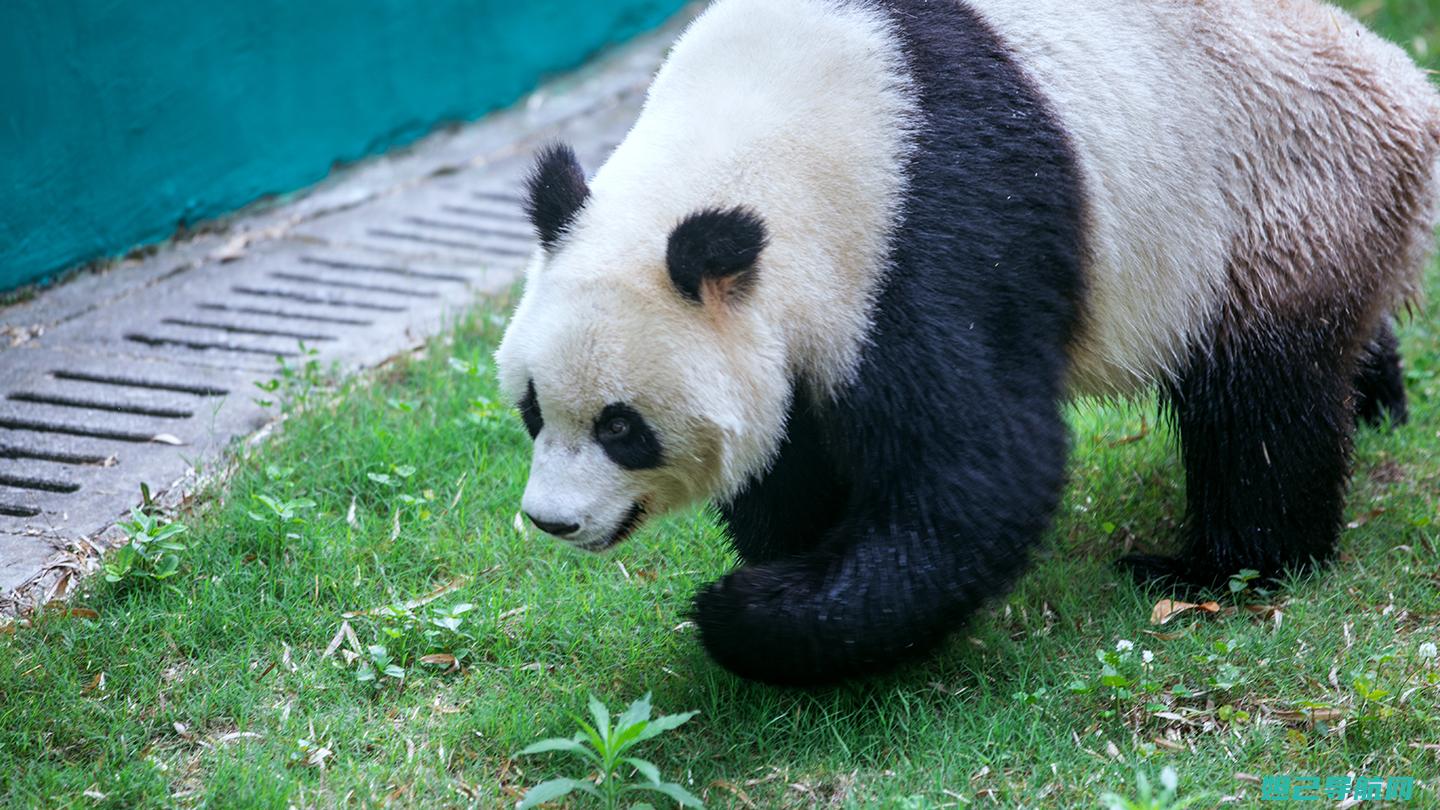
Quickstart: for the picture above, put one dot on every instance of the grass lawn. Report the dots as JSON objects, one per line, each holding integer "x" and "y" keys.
{"x": 234, "y": 683}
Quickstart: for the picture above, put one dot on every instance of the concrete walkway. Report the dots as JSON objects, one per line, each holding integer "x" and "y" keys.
{"x": 147, "y": 372}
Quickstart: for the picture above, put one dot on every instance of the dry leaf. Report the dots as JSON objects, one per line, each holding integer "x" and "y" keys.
{"x": 232, "y": 250}
{"x": 1177, "y": 718}
{"x": 440, "y": 660}
{"x": 317, "y": 757}
{"x": 1267, "y": 612}
{"x": 97, "y": 684}
{"x": 1248, "y": 778}
{"x": 351, "y": 637}
{"x": 238, "y": 735}
{"x": 448, "y": 588}
{"x": 336, "y": 641}
{"x": 1308, "y": 715}
{"x": 1167, "y": 609}
{"x": 1365, "y": 518}
{"x": 734, "y": 790}
{"x": 1144, "y": 431}
{"x": 459, "y": 490}
{"x": 60, "y": 588}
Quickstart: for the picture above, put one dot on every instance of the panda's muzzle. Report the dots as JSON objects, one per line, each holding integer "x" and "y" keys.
{"x": 627, "y": 527}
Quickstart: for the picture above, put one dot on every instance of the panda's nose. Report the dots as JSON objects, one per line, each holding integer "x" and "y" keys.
{"x": 557, "y": 529}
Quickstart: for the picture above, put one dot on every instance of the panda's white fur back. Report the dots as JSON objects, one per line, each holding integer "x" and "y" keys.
{"x": 1130, "y": 92}
{"x": 1209, "y": 129}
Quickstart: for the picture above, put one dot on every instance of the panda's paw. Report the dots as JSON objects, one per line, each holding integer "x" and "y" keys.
{"x": 1172, "y": 576}
{"x": 746, "y": 627}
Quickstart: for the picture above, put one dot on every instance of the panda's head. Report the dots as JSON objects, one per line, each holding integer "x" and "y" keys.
{"x": 643, "y": 371}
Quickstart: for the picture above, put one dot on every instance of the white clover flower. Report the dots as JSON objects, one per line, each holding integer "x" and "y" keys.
{"x": 1170, "y": 779}
{"x": 1428, "y": 651}
{"x": 1124, "y": 646}
{"x": 1147, "y": 656}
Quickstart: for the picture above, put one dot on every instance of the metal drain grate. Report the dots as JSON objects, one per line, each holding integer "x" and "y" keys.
{"x": 93, "y": 407}
{"x": 139, "y": 375}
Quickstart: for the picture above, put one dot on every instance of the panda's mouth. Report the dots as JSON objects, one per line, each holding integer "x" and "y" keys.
{"x": 627, "y": 527}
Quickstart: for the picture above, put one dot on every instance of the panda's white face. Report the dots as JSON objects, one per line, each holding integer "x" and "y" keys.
{"x": 640, "y": 367}
{"x": 633, "y": 409}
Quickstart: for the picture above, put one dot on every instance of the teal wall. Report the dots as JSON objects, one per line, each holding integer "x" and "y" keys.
{"x": 121, "y": 119}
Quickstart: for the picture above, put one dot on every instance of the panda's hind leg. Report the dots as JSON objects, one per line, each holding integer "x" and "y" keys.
{"x": 1265, "y": 419}
{"x": 1380, "y": 381}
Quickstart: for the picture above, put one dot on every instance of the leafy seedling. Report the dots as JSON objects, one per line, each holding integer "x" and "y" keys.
{"x": 378, "y": 664}
{"x": 1149, "y": 798}
{"x": 279, "y": 516}
{"x": 153, "y": 550}
{"x": 605, "y": 745}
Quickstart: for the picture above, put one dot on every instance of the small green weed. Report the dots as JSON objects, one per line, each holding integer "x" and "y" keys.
{"x": 431, "y": 635}
{"x": 280, "y": 518}
{"x": 1149, "y": 799}
{"x": 608, "y": 744}
{"x": 378, "y": 664}
{"x": 295, "y": 384}
{"x": 153, "y": 551}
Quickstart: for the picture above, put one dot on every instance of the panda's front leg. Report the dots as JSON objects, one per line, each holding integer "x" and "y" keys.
{"x": 901, "y": 569}
{"x": 788, "y": 510}
{"x": 893, "y": 592}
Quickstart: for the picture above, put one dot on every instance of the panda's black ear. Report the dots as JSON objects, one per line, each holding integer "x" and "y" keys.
{"x": 712, "y": 254}
{"x": 556, "y": 192}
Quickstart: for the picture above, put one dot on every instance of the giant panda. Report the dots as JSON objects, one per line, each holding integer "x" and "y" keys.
{"x": 855, "y": 256}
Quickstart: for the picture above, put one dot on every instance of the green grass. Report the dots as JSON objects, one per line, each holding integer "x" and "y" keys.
{"x": 1415, "y": 24}
{"x": 235, "y": 642}
{"x": 212, "y": 687}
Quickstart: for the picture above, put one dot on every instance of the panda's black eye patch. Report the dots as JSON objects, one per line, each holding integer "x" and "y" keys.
{"x": 626, "y": 438}
{"x": 530, "y": 411}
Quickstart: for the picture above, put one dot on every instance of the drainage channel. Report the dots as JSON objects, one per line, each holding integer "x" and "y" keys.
{"x": 160, "y": 375}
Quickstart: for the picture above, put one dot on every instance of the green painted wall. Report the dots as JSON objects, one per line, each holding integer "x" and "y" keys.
{"x": 121, "y": 119}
